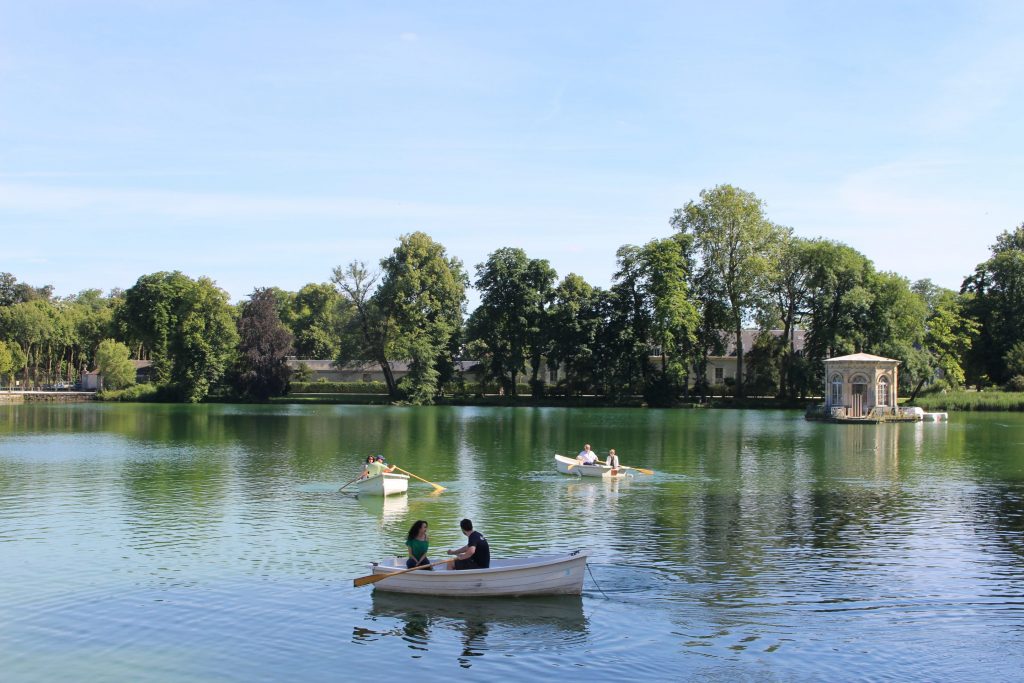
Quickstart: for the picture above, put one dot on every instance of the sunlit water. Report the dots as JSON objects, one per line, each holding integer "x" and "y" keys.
{"x": 198, "y": 543}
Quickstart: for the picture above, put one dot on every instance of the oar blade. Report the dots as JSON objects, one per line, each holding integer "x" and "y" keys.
{"x": 364, "y": 580}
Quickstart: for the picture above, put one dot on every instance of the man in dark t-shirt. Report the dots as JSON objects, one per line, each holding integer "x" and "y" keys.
{"x": 476, "y": 554}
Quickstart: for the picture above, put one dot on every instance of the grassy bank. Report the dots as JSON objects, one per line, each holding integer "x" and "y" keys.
{"x": 971, "y": 400}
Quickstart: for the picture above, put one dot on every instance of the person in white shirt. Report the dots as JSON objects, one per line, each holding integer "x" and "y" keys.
{"x": 587, "y": 456}
{"x": 612, "y": 461}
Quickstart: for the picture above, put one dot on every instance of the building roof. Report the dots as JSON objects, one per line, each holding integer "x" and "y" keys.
{"x": 861, "y": 358}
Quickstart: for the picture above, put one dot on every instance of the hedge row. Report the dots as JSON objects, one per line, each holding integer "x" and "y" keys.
{"x": 137, "y": 392}
{"x": 338, "y": 388}
{"x": 469, "y": 388}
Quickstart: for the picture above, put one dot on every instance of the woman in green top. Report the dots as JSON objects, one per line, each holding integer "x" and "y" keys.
{"x": 418, "y": 544}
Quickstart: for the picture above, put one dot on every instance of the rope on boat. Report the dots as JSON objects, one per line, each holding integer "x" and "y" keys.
{"x": 589, "y": 571}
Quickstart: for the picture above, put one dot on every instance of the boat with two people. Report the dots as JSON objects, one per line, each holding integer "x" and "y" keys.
{"x": 560, "y": 574}
{"x": 567, "y": 465}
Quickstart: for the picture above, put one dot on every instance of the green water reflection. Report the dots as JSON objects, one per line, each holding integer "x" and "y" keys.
{"x": 758, "y": 531}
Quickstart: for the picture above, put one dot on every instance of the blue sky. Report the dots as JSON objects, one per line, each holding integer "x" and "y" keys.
{"x": 265, "y": 143}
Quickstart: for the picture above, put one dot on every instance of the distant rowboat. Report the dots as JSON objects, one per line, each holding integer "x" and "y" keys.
{"x": 545, "y": 575}
{"x": 384, "y": 484}
{"x": 603, "y": 471}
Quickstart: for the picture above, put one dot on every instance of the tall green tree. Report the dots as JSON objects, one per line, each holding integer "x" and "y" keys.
{"x": 114, "y": 364}
{"x": 737, "y": 249}
{"x": 996, "y": 301}
{"x": 185, "y": 327}
{"x": 94, "y": 321}
{"x": 28, "y": 324}
{"x": 317, "y": 313}
{"x": 838, "y": 303}
{"x": 894, "y": 326}
{"x": 368, "y": 334}
{"x": 573, "y": 321}
{"x": 507, "y": 326}
{"x": 414, "y": 314}
{"x": 6, "y": 363}
{"x": 666, "y": 268}
{"x": 423, "y": 290}
{"x": 788, "y": 306}
{"x": 653, "y": 311}
{"x": 949, "y": 334}
{"x": 263, "y": 348}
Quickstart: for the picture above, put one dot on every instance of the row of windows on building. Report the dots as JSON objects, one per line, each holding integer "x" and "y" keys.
{"x": 882, "y": 393}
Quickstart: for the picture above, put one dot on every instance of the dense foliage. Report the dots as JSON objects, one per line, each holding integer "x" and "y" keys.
{"x": 415, "y": 314}
{"x": 115, "y": 365}
{"x": 673, "y": 303}
{"x": 263, "y": 348}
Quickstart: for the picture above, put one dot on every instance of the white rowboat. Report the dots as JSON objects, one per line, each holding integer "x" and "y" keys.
{"x": 562, "y": 463}
{"x": 546, "y": 575}
{"x": 384, "y": 484}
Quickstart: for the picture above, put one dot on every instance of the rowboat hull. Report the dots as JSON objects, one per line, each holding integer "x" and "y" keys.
{"x": 385, "y": 484}
{"x": 602, "y": 471}
{"x": 547, "y": 575}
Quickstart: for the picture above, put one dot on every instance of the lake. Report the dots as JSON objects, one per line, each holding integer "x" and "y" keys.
{"x": 197, "y": 543}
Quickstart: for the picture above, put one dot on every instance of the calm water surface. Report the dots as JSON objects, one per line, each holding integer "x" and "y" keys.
{"x": 197, "y": 543}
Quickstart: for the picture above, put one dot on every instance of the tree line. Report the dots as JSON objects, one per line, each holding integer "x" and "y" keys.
{"x": 672, "y": 303}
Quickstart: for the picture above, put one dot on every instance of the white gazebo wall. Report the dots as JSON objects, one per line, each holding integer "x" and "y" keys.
{"x": 871, "y": 371}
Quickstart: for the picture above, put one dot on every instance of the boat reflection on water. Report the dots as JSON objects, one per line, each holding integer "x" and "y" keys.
{"x": 428, "y": 622}
{"x": 387, "y": 508}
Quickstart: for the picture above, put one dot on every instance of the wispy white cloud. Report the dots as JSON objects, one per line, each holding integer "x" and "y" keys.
{"x": 911, "y": 191}
{"x": 983, "y": 84}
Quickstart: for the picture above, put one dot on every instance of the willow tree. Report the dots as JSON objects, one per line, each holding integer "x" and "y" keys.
{"x": 736, "y": 250}
{"x": 114, "y": 364}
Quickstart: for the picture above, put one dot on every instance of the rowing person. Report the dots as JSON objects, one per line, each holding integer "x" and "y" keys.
{"x": 375, "y": 466}
{"x": 587, "y": 456}
{"x": 476, "y": 554}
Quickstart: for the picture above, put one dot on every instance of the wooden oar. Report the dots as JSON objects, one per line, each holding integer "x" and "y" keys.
{"x": 627, "y": 467}
{"x": 351, "y": 482}
{"x": 374, "y": 578}
{"x": 437, "y": 488}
